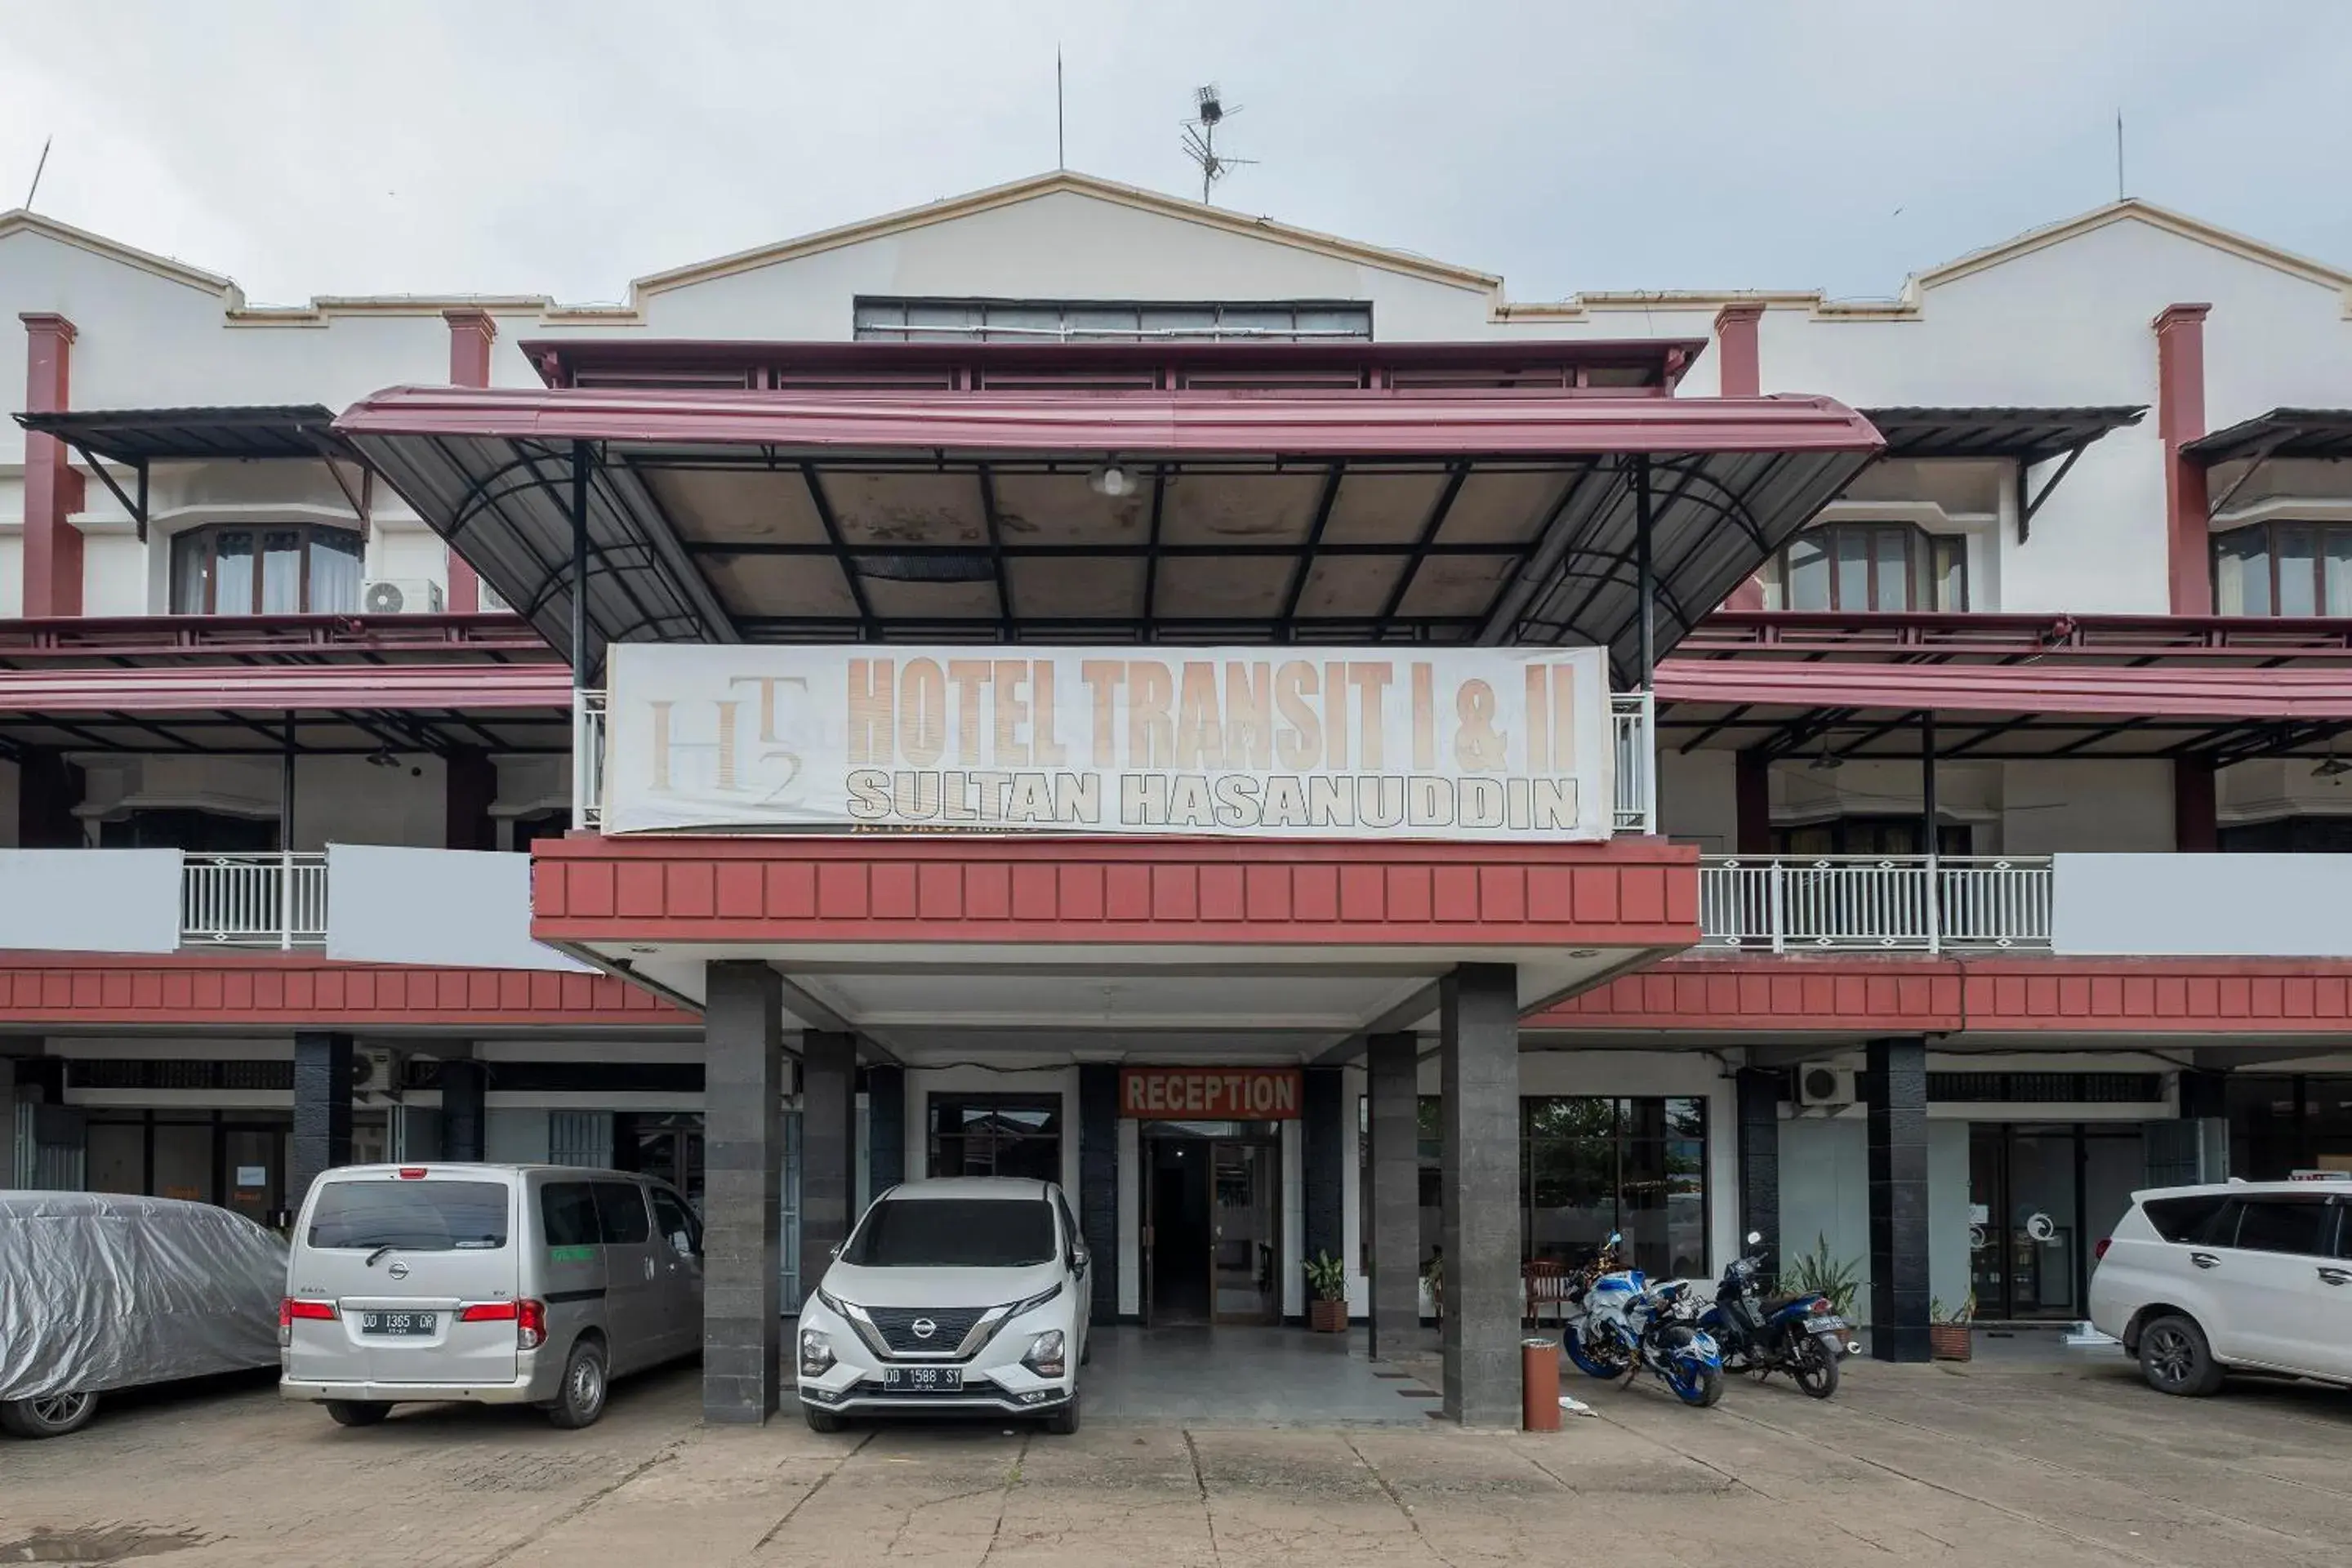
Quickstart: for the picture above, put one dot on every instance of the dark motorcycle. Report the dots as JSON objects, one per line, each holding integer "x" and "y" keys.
{"x": 1800, "y": 1335}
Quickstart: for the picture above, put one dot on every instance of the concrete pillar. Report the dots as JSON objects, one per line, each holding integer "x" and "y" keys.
{"x": 885, "y": 1128}
{"x": 1096, "y": 1199}
{"x": 53, "y": 491}
{"x": 463, "y": 1084}
{"x": 2196, "y": 815}
{"x": 828, "y": 1149}
{"x": 322, "y": 1110}
{"x": 469, "y": 788}
{"x": 743, "y": 1164}
{"x": 1392, "y": 1070}
{"x": 11, "y": 1162}
{"x": 1897, "y": 1074}
{"x": 1752, "y": 802}
{"x": 1324, "y": 1145}
{"x": 1759, "y": 1156}
{"x": 47, "y": 789}
{"x": 471, "y": 333}
{"x": 1478, "y": 1106}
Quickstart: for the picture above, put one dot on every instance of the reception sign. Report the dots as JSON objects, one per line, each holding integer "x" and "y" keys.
{"x": 1209, "y": 1094}
{"x": 1469, "y": 743}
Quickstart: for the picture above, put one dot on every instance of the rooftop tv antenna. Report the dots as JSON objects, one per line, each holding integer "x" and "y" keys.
{"x": 1209, "y": 111}
{"x": 37, "y": 169}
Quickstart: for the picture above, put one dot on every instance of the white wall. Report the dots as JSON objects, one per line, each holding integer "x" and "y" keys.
{"x": 1825, "y": 1193}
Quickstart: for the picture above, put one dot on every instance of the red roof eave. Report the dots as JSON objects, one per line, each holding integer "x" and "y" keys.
{"x": 1427, "y": 424}
{"x": 291, "y": 688}
{"x": 2177, "y": 692}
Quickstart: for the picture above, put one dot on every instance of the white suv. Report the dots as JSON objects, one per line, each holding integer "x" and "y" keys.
{"x": 967, "y": 1293}
{"x": 2249, "y": 1276}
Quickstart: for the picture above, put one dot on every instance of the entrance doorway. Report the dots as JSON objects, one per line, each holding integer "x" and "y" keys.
{"x": 2040, "y": 1197}
{"x": 1212, "y": 1236}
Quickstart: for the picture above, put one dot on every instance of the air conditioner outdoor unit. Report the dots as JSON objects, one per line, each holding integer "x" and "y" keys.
{"x": 402, "y": 596}
{"x": 375, "y": 1072}
{"x": 1823, "y": 1084}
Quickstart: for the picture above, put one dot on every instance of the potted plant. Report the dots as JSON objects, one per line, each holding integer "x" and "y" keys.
{"x": 1948, "y": 1332}
{"x": 1432, "y": 1280}
{"x": 1819, "y": 1273}
{"x": 1326, "y": 1277}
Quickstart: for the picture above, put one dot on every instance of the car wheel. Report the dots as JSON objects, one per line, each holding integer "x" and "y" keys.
{"x": 823, "y": 1420}
{"x": 582, "y": 1398}
{"x": 2174, "y": 1358}
{"x": 1064, "y": 1423}
{"x": 48, "y": 1414}
{"x": 357, "y": 1412}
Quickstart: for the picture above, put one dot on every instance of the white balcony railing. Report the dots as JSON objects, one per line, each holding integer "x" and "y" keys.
{"x": 1891, "y": 903}
{"x": 253, "y": 900}
{"x": 1630, "y": 715}
{"x": 588, "y": 760}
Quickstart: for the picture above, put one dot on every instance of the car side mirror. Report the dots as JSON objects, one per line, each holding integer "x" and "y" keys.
{"x": 1080, "y": 1258}
{"x": 833, "y": 1251}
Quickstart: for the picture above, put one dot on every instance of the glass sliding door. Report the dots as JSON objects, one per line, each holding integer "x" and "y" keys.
{"x": 1245, "y": 1249}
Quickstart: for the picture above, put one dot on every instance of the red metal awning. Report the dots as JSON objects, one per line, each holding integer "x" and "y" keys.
{"x": 2197, "y": 693}
{"x": 286, "y": 689}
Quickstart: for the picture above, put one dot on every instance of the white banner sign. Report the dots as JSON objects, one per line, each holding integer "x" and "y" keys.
{"x": 1473, "y": 743}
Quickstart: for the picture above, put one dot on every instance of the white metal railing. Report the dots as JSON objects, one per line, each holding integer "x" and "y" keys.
{"x": 588, "y": 760}
{"x": 1630, "y": 715}
{"x": 254, "y": 900}
{"x": 1899, "y": 903}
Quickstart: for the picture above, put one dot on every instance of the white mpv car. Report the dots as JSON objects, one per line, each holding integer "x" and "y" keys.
{"x": 2249, "y": 1276}
{"x": 967, "y": 1293}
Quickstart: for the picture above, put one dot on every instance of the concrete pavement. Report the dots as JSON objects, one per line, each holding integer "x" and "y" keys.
{"x": 2054, "y": 1465}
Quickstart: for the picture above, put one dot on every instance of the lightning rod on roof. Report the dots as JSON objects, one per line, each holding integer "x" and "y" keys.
{"x": 1209, "y": 111}
{"x": 44, "y": 164}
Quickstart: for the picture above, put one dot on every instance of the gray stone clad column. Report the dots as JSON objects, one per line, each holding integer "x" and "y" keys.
{"x": 742, "y": 1152}
{"x": 322, "y": 1112}
{"x": 1324, "y": 1143}
{"x": 1393, "y": 1067}
{"x": 1899, "y": 1199}
{"x": 1478, "y": 1012}
{"x": 1096, "y": 1198}
{"x": 828, "y": 1149}
{"x": 885, "y": 1129}
{"x": 463, "y": 1085}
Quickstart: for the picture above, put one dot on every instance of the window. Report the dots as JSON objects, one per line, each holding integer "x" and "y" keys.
{"x": 1637, "y": 1166}
{"x": 997, "y": 1135}
{"x": 2284, "y": 569}
{"x": 2281, "y": 1224}
{"x": 235, "y": 570}
{"x": 1869, "y": 566}
{"x": 677, "y": 1223}
{"x": 621, "y": 1214}
{"x": 953, "y": 1233}
{"x": 1868, "y": 836}
{"x": 191, "y": 829}
{"x": 2182, "y": 1219}
{"x": 1086, "y": 320}
{"x": 2289, "y": 834}
{"x": 568, "y": 1210}
{"x": 415, "y": 1217}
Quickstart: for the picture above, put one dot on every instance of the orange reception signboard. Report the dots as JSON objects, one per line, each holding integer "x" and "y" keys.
{"x": 1209, "y": 1094}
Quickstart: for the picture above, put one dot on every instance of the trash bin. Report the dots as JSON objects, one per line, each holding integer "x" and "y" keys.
{"x": 1539, "y": 1385}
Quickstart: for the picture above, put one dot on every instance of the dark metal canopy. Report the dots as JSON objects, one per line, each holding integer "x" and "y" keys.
{"x": 2026, "y": 437}
{"x": 1224, "y": 508}
{"x": 135, "y": 436}
{"x": 2281, "y": 432}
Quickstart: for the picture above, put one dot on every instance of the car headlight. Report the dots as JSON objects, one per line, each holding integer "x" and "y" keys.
{"x": 816, "y": 1352}
{"x": 1045, "y": 1355}
{"x": 1039, "y": 1300}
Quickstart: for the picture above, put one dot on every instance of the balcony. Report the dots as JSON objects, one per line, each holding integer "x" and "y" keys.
{"x": 1875, "y": 903}
{"x": 1630, "y": 724}
{"x": 254, "y": 902}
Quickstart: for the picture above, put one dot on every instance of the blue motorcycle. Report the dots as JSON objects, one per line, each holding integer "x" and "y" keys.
{"x": 1629, "y": 1325}
{"x": 1800, "y": 1335}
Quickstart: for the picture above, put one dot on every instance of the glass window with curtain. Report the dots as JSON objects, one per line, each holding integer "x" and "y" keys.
{"x": 229, "y": 569}
{"x": 996, "y": 1136}
{"x": 2284, "y": 569}
{"x": 1873, "y": 566}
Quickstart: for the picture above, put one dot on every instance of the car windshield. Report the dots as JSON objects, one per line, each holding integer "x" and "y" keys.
{"x": 954, "y": 1233}
{"x": 415, "y": 1217}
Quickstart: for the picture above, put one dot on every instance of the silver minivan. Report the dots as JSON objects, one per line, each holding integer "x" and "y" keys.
{"x": 498, "y": 1284}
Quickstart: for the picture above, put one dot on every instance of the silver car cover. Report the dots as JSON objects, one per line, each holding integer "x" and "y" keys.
{"x": 99, "y": 1290}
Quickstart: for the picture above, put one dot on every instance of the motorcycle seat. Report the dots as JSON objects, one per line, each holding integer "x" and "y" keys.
{"x": 1774, "y": 1304}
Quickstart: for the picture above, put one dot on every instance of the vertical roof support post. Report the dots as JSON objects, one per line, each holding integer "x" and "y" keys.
{"x": 1645, "y": 585}
{"x": 286, "y": 841}
{"x": 587, "y": 738}
{"x": 1927, "y": 813}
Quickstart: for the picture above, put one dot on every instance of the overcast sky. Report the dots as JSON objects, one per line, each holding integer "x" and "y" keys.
{"x": 306, "y": 147}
